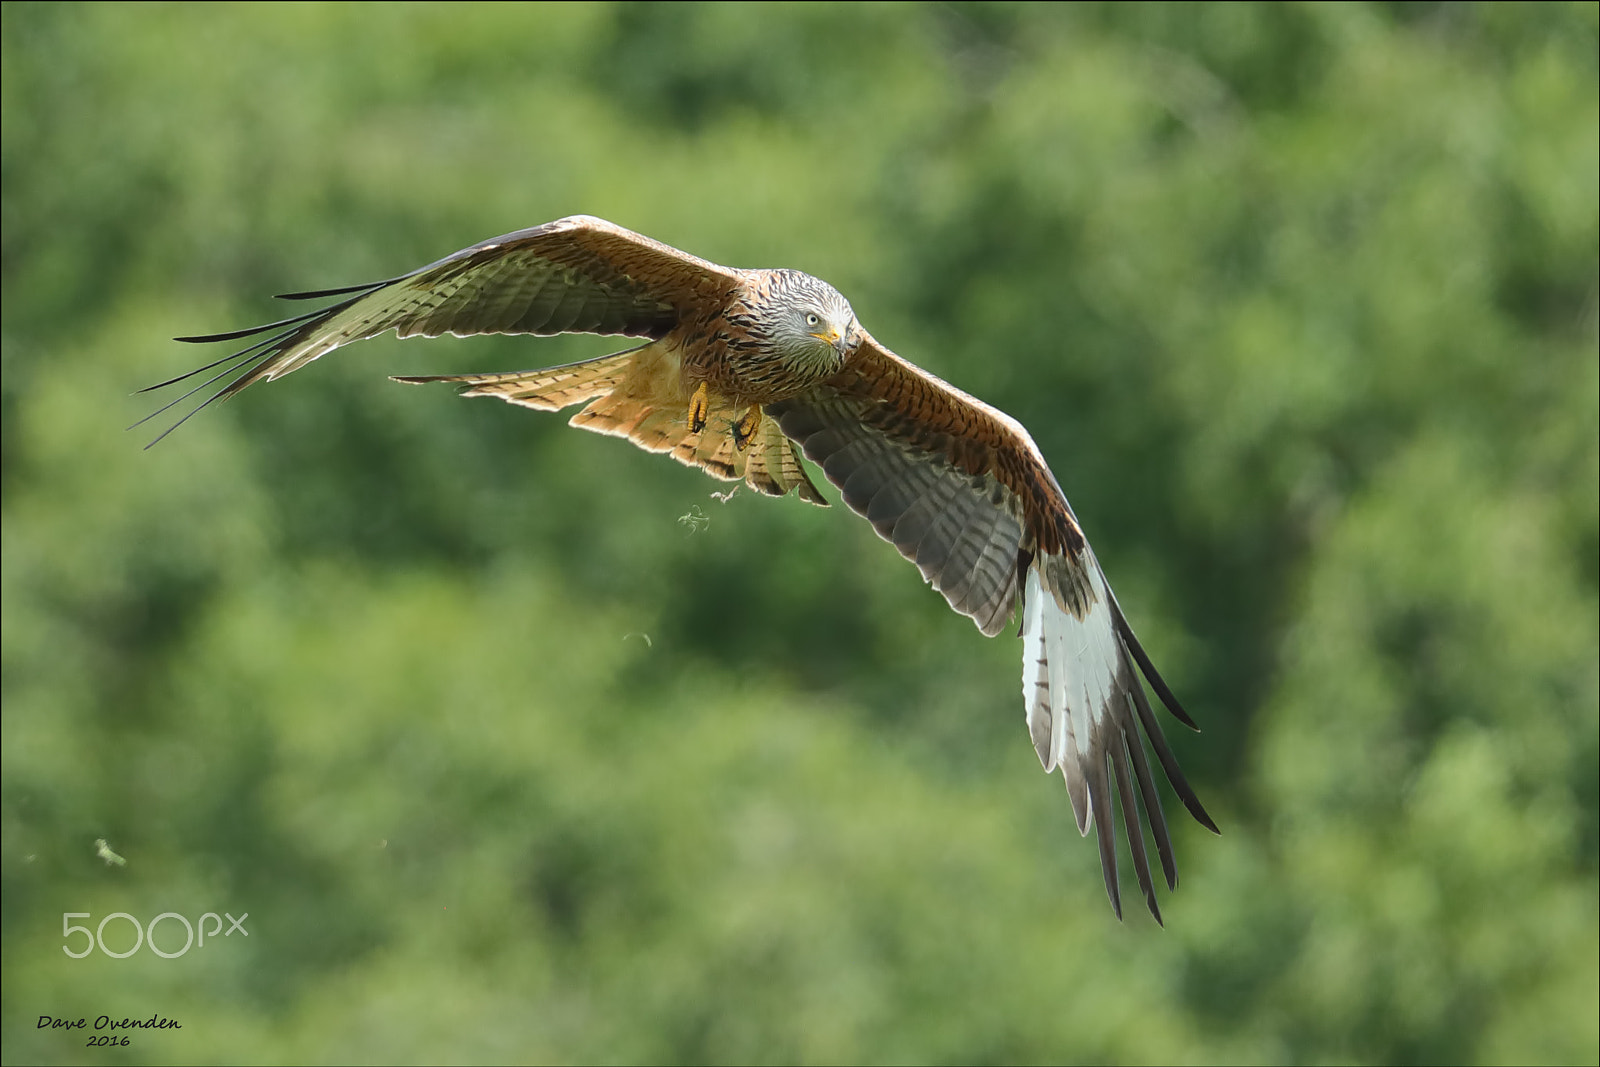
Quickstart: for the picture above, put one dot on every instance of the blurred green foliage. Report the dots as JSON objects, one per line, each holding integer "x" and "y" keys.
{"x": 506, "y": 763}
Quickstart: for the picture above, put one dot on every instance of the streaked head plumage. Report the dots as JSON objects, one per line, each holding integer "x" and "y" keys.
{"x": 811, "y": 322}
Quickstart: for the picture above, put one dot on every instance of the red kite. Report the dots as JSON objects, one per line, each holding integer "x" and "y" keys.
{"x": 742, "y": 366}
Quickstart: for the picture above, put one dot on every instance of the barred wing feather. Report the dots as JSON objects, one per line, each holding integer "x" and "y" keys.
{"x": 576, "y": 275}
{"x": 960, "y": 489}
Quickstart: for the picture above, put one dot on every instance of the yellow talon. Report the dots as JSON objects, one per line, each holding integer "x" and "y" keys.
{"x": 746, "y": 428}
{"x": 699, "y": 406}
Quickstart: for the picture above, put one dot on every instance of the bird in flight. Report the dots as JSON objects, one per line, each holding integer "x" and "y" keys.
{"x": 740, "y": 372}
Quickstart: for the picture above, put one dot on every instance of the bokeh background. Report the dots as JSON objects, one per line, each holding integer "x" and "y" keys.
{"x": 516, "y": 745}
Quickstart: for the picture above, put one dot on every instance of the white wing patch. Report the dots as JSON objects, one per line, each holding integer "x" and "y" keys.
{"x": 1069, "y": 678}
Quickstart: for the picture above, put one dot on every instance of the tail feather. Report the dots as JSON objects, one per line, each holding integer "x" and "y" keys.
{"x": 550, "y": 389}
{"x": 640, "y": 395}
{"x": 774, "y": 467}
{"x": 619, "y": 415}
{"x": 657, "y": 432}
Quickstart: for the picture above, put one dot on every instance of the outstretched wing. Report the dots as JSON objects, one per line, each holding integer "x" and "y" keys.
{"x": 575, "y": 275}
{"x": 960, "y": 489}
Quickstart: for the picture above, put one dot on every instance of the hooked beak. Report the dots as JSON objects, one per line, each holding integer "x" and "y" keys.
{"x": 839, "y": 342}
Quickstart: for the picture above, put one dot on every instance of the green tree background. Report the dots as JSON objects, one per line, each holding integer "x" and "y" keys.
{"x": 505, "y": 762}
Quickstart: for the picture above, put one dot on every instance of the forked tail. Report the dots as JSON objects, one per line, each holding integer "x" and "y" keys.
{"x": 640, "y": 394}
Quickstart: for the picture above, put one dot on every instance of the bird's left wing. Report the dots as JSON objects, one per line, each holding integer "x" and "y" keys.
{"x": 575, "y": 275}
{"x": 960, "y": 489}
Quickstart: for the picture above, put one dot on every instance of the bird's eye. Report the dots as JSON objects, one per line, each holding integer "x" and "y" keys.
{"x": 812, "y": 320}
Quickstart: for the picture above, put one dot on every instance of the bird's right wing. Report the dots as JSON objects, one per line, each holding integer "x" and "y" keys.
{"x": 960, "y": 489}
{"x": 575, "y": 275}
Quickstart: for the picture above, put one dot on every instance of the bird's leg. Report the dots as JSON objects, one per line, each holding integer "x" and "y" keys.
{"x": 746, "y": 427}
{"x": 699, "y": 406}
